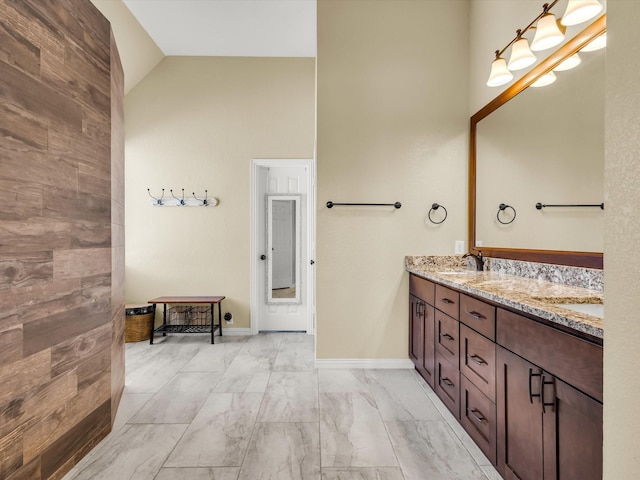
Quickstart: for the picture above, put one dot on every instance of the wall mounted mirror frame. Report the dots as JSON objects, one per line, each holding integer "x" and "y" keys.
{"x": 283, "y": 249}
{"x": 572, "y": 258}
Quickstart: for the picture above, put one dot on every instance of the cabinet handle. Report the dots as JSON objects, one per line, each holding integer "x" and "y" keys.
{"x": 478, "y": 359}
{"x": 447, "y": 301}
{"x": 476, "y": 315}
{"x": 531, "y": 375}
{"x": 447, "y": 382}
{"x": 418, "y": 309}
{"x": 552, "y": 404}
{"x": 448, "y": 337}
{"x": 477, "y": 415}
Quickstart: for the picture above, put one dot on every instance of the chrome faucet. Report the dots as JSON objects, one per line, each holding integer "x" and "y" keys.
{"x": 479, "y": 259}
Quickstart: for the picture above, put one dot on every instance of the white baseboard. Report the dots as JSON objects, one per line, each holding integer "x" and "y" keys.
{"x": 235, "y": 332}
{"x": 364, "y": 363}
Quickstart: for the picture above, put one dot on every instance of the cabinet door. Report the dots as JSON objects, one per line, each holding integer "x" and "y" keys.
{"x": 519, "y": 415}
{"x": 428, "y": 359}
{"x": 416, "y": 331}
{"x": 572, "y": 433}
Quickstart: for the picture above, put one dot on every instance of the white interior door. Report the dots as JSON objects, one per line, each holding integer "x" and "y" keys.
{"x": 282, "y": 177}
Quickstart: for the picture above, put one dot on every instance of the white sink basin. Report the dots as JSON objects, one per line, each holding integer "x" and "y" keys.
{"x": 596, "y": 310}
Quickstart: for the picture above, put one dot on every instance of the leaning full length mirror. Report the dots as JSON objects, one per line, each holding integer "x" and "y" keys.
{"x": 283, "y": 249}
{"x": 542, "y": 145}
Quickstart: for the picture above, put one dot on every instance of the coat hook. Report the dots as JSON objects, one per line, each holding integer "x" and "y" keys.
{"x": 435, "y": 207}
{"x": 181, "y": 200}
{"x": 158, "y": 201}
{"x": 204, "y": 200}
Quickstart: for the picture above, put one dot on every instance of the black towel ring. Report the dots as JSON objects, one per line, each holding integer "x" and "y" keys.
{"x": 501, "y": 208}
{"x": 435, "y": 207}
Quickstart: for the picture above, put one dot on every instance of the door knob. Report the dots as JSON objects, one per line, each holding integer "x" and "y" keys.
{"x": 263, "y": 257}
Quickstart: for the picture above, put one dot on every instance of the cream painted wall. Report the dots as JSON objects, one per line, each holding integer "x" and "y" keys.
{"x": 196, "y": 123}
{"x": 622, "y": 236}
{"x": 139, "y": 53}
{"x": 392, "y": 126}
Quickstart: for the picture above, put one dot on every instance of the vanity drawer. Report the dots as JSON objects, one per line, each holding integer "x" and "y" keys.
{"x": 478, "y": 361}
{"x": 572, "y": 359}
{"x": 447, "y": 301}
{"x": 447, "y": 337}
{"x": 478, "y": 417}
{"x": 447, "y": 385}
{"x": 421, "y": 288}
{"x": 478, "y": 315}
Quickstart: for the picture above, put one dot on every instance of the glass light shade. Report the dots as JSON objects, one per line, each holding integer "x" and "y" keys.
{"x": 521, "y": 55}
{"x": 596, "y": 44}
{"x": 571, "y": 62}
{"x": 579, "y": 11}
{"x": 546, "y": 79}
{"x": 548, "y": 33}
{"x": 500, "y": 74}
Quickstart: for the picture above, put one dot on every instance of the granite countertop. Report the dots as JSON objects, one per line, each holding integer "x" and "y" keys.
{"x": 537, "y": 297}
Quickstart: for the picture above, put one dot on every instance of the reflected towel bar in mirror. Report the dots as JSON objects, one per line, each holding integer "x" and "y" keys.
{"x": 331, "y": 204}
{"x": 540, "y": 206}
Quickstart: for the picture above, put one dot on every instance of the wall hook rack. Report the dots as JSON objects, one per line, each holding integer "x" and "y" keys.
{"x": 156, "y": 201}
{"x": 180, "y": 200}
{"x": 183, "y": 201}
{"x": 434, "y": 208}
{"x": 501, "y": 208}
{"x": 331, "y": 204}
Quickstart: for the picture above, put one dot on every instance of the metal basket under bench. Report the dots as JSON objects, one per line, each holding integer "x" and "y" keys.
{"x": 188, "y": 315}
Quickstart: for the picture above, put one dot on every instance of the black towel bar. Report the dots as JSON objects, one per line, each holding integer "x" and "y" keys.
{"x": 331, "y": 204}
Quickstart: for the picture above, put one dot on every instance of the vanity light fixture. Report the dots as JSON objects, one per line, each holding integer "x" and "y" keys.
{"x": 521, "y": 54}
{"x": 500, "y": 74}
{"x": 579, "y": 11}
{"x": 549, "y": 32}
{"x": 571, "y": 62}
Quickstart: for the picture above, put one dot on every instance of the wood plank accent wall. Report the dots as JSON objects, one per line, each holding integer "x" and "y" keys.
{"x": 61, "y": 235}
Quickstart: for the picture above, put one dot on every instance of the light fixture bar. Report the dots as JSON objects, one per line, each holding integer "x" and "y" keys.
{"x": 545, "y": 9}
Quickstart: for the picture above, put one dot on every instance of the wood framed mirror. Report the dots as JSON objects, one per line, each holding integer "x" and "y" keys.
{"x": 563, "y": 255}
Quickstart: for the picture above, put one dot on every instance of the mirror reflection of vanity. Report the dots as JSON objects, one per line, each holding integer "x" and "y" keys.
{"x": 542, "y": 145}
{"x": 283, "y": 249}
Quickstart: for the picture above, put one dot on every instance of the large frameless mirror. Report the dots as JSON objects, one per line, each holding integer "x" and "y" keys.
{"x": 283, "y": 249}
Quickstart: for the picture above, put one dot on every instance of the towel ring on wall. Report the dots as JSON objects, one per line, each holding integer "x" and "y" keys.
{"x": 501, "y": 208}
{"x": 435, "y": 207}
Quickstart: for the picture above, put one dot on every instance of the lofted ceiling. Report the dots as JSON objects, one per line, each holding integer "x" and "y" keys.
{"x": 244, "y": 28}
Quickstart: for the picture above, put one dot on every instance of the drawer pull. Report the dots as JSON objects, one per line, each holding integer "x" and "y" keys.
{"x": 477, "y": 415}
{"x": 447, "y": 301}
{"x": 478, "y": 359}
{"x": 476, "y": 315}
{"x": 531, "y": 375}
{"x": 448, "y": 337}
{"x": 448, "y": 383}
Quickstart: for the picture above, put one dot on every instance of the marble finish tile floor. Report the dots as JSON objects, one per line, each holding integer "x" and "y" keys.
{"x": 255, "y": 408}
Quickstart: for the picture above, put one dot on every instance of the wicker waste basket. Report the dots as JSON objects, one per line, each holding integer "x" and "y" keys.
{"x": 139, "y": 320}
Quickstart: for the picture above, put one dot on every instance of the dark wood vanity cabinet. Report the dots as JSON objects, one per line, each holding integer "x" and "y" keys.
{"x": 421, "y": 327}
{"x": 547, "y": 429}
{"x": 528, "y": 394}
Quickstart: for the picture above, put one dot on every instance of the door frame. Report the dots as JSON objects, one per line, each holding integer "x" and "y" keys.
{"x": 309, "y": 285}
